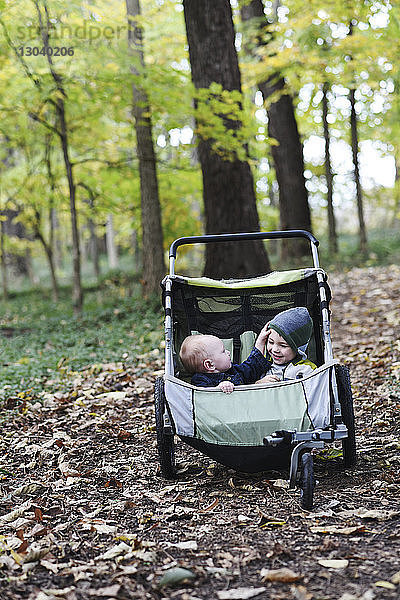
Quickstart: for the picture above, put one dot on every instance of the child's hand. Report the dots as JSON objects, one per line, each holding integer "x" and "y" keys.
{"x": 226, "y": 386}
{"x": 262, "y": 338}
{"x": 268, "y": 379}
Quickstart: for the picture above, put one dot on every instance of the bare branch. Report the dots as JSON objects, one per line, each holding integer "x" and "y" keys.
{"x": 20, "y": 59}
{"x": 36, "y": 117}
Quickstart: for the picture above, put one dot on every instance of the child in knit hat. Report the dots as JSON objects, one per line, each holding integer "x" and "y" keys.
{"x": 289, "y": 334}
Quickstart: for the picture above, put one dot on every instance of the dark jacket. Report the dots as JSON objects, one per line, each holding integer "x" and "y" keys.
{"x": 249, "y": 371}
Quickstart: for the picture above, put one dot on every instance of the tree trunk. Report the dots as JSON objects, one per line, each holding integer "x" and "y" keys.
{"x": 4, "y": 278}
{"x": 356, "y": 169}
{"x": 94, "y": 249}
{"x": 93, "y": 246}
{"x": 28, "y": 260}
{"x": 289, "y": 167}
{"x": 152, "y": 234}
{"x": 137, "y": 259}
{"x": 354, "y": 149}
{"x": 55, "y": 241}
{"x": 396, "y": 212}
{"x": 228, "y": 186}
{"x": 111, "y": 247}
{"x": 49, "y": 247}
{"x": 287, "y": 154}
{"x": 77, "y": 293}
{"x": 50, "y": 258}
{"x": 332, "y": 236}
{"x": 12, "y": 227}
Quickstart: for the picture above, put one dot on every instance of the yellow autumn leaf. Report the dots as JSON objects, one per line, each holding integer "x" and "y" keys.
{"x": 385, "y": 584}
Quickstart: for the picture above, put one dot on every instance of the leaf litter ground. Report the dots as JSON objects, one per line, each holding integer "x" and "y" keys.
{"x": 85, "y": 513}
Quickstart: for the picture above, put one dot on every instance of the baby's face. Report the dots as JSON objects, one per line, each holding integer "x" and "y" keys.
{"x": 278, "y": 349}
{"x": 219, "y": 358}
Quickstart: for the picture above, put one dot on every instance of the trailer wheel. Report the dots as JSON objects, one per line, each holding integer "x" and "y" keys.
{"x": 307, "y": 481}
{"x": 165, "y": 441}
{"x": 346, "y": 403}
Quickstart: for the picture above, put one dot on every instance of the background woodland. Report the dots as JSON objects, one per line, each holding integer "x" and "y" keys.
{"x": 159, "y": 119}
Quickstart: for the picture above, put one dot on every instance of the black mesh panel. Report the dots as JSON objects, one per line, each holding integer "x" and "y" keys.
{"x": 227, "y": 313}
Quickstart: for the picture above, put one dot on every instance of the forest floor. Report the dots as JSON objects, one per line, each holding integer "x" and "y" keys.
{"x": 86, "y": 514}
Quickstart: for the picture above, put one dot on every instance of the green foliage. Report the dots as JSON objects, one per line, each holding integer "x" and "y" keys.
{"x": 383, "y": 250}
{"x": 44, "y": 345}
{"x": 97, "y": 82}
{"x": 222, "y": 120}
{"x": 307, "y": 43}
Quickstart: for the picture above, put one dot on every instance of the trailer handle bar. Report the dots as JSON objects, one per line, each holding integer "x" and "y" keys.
{"x": 233, "y": 237}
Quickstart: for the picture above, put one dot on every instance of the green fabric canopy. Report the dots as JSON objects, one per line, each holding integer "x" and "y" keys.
{"x": 270, "y": 280}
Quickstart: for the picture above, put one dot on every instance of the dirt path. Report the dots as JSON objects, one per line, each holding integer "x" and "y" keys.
{"x": 86, "y": 515}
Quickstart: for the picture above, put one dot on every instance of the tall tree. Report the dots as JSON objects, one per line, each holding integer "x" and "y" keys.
{"x": 356, "y": 166}
{"x": 63, "y": 133}
{"x": 287, "y": 153}
{"x": 50, "y": 245}
{"x": 112, "y": 252}
{"x": 93, "y": 240}
{"x": 356, "y": 172}
{"x": 3, "y": 260}
{"x": 152, "y": 235}
{"x": 228, "y": 187}
{"x": 332, "y": 236}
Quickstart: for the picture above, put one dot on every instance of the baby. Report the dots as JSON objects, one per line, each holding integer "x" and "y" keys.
{"x": 206, "y": 357}
{"x": 286, "y": 336}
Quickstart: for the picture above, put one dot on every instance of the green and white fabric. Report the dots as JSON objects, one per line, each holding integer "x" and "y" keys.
{"x": 249, "y": 413}
{"x": 270, "y": 280}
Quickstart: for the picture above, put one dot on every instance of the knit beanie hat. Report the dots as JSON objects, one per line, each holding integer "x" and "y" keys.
{"x": 295, "y": 326}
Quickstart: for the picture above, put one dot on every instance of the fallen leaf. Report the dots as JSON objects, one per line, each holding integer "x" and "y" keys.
{"x": 58, "y": 592}
{"x": 385, "y": 584}
{"x": 110, "y": 591}
{"x": 127, "y": 570}
{"x": 17, "y": 512}
{"x": 115, "y": 551}
{"x": 283, "y": 575}
{"x": 364, "y": 513}
{"x": 188, "y": 545}
{"x": 243, "y": 518}
{"x": 396, "y": 578}
{"x": 123, "y": 435}
{"x": 145, "y": 555}
{"x": 269, "y": 522}
{"x": 113, "y": 482}
{"x": 19, "y": 559}
{"x": 97, "y": 525}
{"x": 50, "y": 566}
{"x": 210, "y": 506}
{"x": 301, "y": 593}
{"x": 20, "y": 534}
{"x": 28, "y": 489}
{"x": 67, "y": 470}
{"x": 280, "y": 484}
{"x": 240, "y": 593}
{"x": 35, "y": 553}
{"x": 112, "y": 396}
{"x": 22, "y": 548}
{"x": 339, "y": 563}
{"x": 338, "y": 530}
{"x": 175, "y": 576}
{"x": 38, "y": 515}
{"x": 39, "y": 530}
